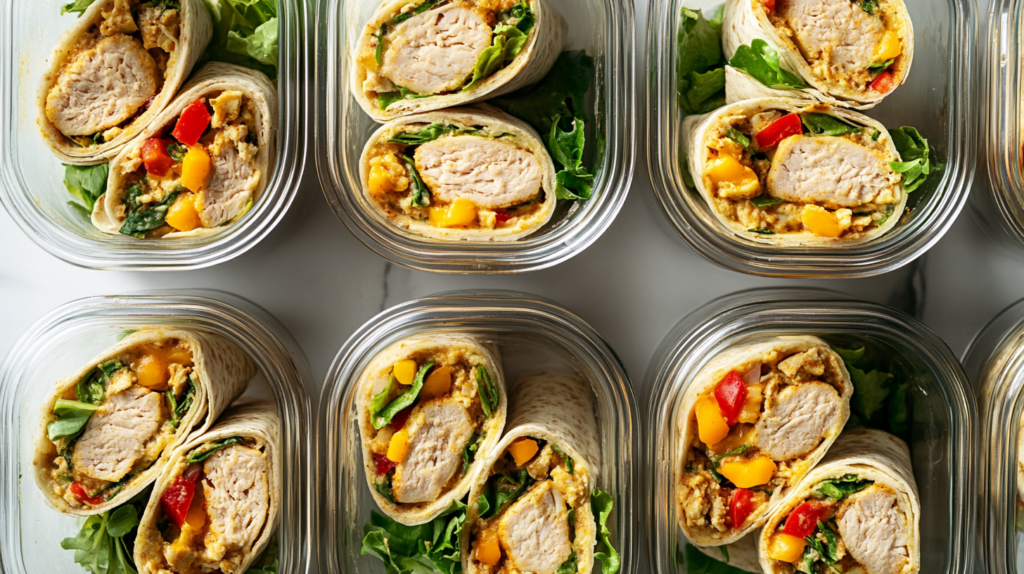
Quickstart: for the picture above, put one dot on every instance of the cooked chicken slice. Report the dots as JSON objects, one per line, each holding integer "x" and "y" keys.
{"x": 874, "y": 530}
{"x": 839, "y": 31}
{"x": 438, "y": 432}
{"x": 435, "y": 51}
{"x": 102, "y": 87}
{"x": 535, "y": 530}
{"x": 237, "y": 498}
{"x": 832, "y": 172}
{"x": 233, "y": 178}
{"x": 491, "y": 172}
{"x": 796, "y": 423}
{"x": 116, "y": 435}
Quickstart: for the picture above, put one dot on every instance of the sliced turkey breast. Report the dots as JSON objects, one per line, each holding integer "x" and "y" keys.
{"x": 438, "y": 432}
{"x": 436, "y": 51}
{"x": 102, "y": 87}
{"x": 796, "y": 423}
{"x": 831, "y": 172}
{"x": 490, "y": 172}
{"x": 874, "y": 530}
{"x": 233, "y": 178}
{"x": 237, "y": 498}
{"x": 535, "y": 530}
{"x": 116, "y": 435}
{"x": 839, "y": 31}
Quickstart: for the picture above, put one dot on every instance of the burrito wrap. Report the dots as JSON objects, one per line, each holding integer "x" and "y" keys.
{"x": 223, "y": 371}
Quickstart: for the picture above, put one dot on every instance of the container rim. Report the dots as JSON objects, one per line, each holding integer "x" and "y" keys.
{"x": 185, "y": 254}
{"x": 614, "y": 170}
{"x": 875, "y": 257}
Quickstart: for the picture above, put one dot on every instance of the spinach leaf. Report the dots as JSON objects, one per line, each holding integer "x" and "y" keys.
{"x": 520, "y": 16}
{"x": 267, "y": 561}
{"x": 569, "y": 465}
{"x": 869, "y": 6}
{"x": 427, "y": 134}
{"x": 144, "y": 218}
{"x": 700, "y": 68}
{"x": 573, "y": 181}
{"x": 86, "y": 183}
{"x": 560, "y": 94}
{"x": 379, "y": 401}
{"x": 420, "y": 191}
{"x": 177, "y": 409}
{"x": 506, "y": 43}
{"x": 883, "y": 388}
{"x": 385, "y": 99}
{"x": 827, "y": 125}
{"x": 569, "y": 566}
{"x": 502, "y": 489}
{"x": 421, "y": 8}
{"x": 601, "y": 503}
{"x": 840, "y": 488}
{"x": 762, "y": 231}
{"x": 403, "y": 400}
{"x": 77, "y": 6}
{"x": 489, "y": 399}
{"x": 200, "y": 456}
{"x": 738, "y": 450}
{"x": 725, "y": 552}
{"x": 245, "y": 33}
{"x": 384, "y": 487}
{"x": 421, "y": 548}
{"x": 739, "y": 137}
{"x": 915, "y": 164}
{"x": 765, "y": 200}
{"x": 100, "y": 546}
{"x": 879, "y": 67}
{"x": 699, "y": 563}
{"x": 71, "y": 419}
{"x": 469, "y": 452}
{"x": 761, "y": 62}
{"x": 93, "y": 387}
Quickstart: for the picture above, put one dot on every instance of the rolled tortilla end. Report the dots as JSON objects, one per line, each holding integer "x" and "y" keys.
{"x": 465, "y": 174}
{"x": 240, "y": 146}
{"x": 204, "y": 372}
{"x": 87, "y": 110}
{"x": 427, "y": 406}
{"x": 551, "y": 453}
{"x": 434, "y": 54}
{"x": 796, "y": 398}
{"x": 235, "y": 471}
{"x": 865, "y": 492}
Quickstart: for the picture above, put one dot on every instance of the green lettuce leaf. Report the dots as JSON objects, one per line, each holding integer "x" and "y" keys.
{"x": 700, "y": 68}
{"x": 762, "y": 63}
{"x": 506, "y": 44}
{"x": 427, "y": 134}
{"x": 245, "y": 33}
{"x": 100, "y": 546}
{"x": 86, "y": 183}
{"x": 71, "y": 418}
{"x": 560, "y": 94}
{"x": 489, "y": 399}
{"x": 76, "y": 7}
{"x": 840, "y": 488}
{"x": 403, "y": 400}
{"x": 601, "y": 503}
{"x": 420, "y": 191}
{"x": 200, "y": 456}
{"x": 915, "y": 163}
{"x": 699, "y": 563}
{"x": 502, "y": 489}
{"x": 826, "y": 125}
{"x": 267, "y": 561}
{"x": 419, "y": 549}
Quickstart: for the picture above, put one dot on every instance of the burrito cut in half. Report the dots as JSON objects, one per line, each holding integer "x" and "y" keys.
{"x": 857, "y": 511}
{"x": 421, "y": 55}
{"x": 784, "y": 172}
{"x": 474, "y": 174}
{"x": 215, "y": 506}
{"x": 114, "y": 71}
{"x": 202, "y": 162}
{"x": 850, "y": 53}
{"x": 107, "y": 429}
{"x": 428, "y": 406}
{"x": 755, "y": 420}
{"x": 531, "y": 510}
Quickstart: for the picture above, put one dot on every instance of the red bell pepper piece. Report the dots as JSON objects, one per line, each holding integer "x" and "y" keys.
{"x": 383, "y": 464}
{"x": 155, "y": 157}
{"x": 177, "y": 498}
{"x": 741, "y": 506}
{"x": 769, "y": 4}
{"x": 192, "y": 122}
{"x": 804, "y": 518}
{"x": 501, "y": 217}
{"x": 79, "y": 492}
{"x": 883, "y": 83}
{"x": 780, "y": 129}
{"x": 398, "y": 421}
{"x": 731, "y": 393}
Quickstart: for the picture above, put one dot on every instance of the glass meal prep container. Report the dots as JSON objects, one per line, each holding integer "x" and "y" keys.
{"x": 938, "y": 99}
{"x": 67, "y": 337}
{"x": 32, "y": 187}
{"x": 993, "y": 362}
{"x": 605, "y": 29}
{"x": 533, "y": 335}
{"x": 941, "y": 431}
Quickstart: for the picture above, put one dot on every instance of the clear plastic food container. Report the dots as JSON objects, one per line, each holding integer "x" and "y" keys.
{"x": 943, "y": 411}
{"x": 938, "y": 99}
{"x": 533, "y": 336}
{"x": 31, "y": 178}
{"x": 67, "y": 337}
{"x": 604, "y": 28}
{"x": 994, "y": 361}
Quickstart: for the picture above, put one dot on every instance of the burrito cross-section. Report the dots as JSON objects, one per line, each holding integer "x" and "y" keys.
{"x": 754, "y": 421}
{"x": 428, "y": 406}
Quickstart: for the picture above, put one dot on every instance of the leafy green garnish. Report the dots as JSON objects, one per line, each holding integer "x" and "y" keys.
{"x": 200, "y": 456}
{"x": 93, "y": 387}
{"x": 384, "y": 487}
{"x": 840, "y": 488}
{"x": 86, "y": 183}
{"x": 78, "y": 7}
{"x": 762, "y": 231}
{"x": 421, "y": 8}
{"x": 145, "y": 217}
{"x": 178, "y": 409}
{"x": 417, "y": 549}
{"x": 506, "y": 43}
{"x": 520, "y": 16}
{"x": 502, "y": 489}
{"x": 176, "y": 151}
{"x": 761, "y": 62}
{"x": 881, "y": 399}
{"x": 427, "y": 134}
{"x": 738, "y": 450}
{"x": 420, "y": 191}
{"x": 888, "y": 214}
{"x": 765, "y": 200}
{"x": 869, "y": 6}
{"x": 100, "y": 547}
{"x": 573, "y": 181}
{"x": 879, "y": 67}
{"x": 403, "y": 400}
{"x": 700, "y": 69}
{"x": 915, "y": 164}
{"x": 569, "y": 566}
{"x": 71, "y": 419}
{"x": 569, "y": 464}
{"x": 469, "y": 453}
{"x": 267, "y": 562}
{"x": 738, "y": 137}
{"x": 699, "y": 563}
{"x": 874, "y": 134}
{"x": 827, "y": 552}
{"x": 489, "y": 399}
{"x": 725, "y": 552}
{"x": 826, "y": 125}
{"x": 379, "y": 401}
{"x": 245, "y": 33}
{"x": 601, "y": 503}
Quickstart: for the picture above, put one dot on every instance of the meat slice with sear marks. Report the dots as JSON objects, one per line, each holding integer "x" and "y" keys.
{"x": 237, "y": 491}
{"x": 797, "y": 422}
{"x": 837, "y": 30}
{"x": 438, "y": 433}
{"x": 535, "y": 530}
{"x": 116, "y": 435}
{"x": 490, "y": 172}
{"x": 874, "y": 530}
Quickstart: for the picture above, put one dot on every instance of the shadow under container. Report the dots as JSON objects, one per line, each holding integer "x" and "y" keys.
{"x": 533, "y": 336}
{"x": 604, "y": 28}
{"x": 31, "y": 177}
{"x": 995, "y": 363}
{"x": 938, "y": 99}
{"x": 942, "y": 428}
{"x": 71, "y": 335}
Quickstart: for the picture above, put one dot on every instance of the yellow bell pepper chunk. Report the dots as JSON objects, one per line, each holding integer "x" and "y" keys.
{"x": 152, "y": 372}
{"x": 195, "y": 168}
{"x": 487, "y": 550}
{"x": 751, "y": 406}
{"x": 438, "y": 383}
{"x": 821, "y": 221}
{"x": 748, "y": 473}
{"x": 380, "y": 181}
{"x": 522, "y": 450}
{"x": 786, "y": 548}
{"x": 888, "y": 48}
{"x": 728, "y": 170}
{"x": 399, "y": 445}
{"x": 183, "y": 215}
{"x": 711, "y": 425}
{"x": 405, "y": 371}
{"x": 458, "y": 213}
{"x": 196, "y": 516}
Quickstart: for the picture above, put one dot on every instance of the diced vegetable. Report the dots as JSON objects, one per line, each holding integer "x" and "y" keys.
{"x": 821, "y": 221}
{"x": 192, "y": 123}
{"x": 196, "y": 516}
{"x": 458, "y": 213}
{"x": 711, "y": 425}
{"x": 804, "y": 518}
{"x": 522, "y": 450}
{"x": 79, "y": 492}
{"x": 728, "y": 169}
{"x": 487, "y": 550}
{"x": 195, "y": 168}
{"x": 405, "y": 371}
{"x": 782, "y": 128}
{"x": 883, "y": 83}
{"x": 731, "y": 394}
{"x": 177, "y": 498}
{"x": 383, "y": 464}
{"x": 154, "y": 156}
{"x": 438, "y": 384}
{"x": 748, "y": 473}
{"x": 398, "y": 421}
{"x": 786, "y": 548}
{"x": 888, "y": 48}
{"x": 751, "y": 406}
{"x": 152, "y": 372}
{"x": 183, "y": 214}
{"x": 741, "y": 505}
{"x": 380, "y": 182}
{"x": 399, "y": 446}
